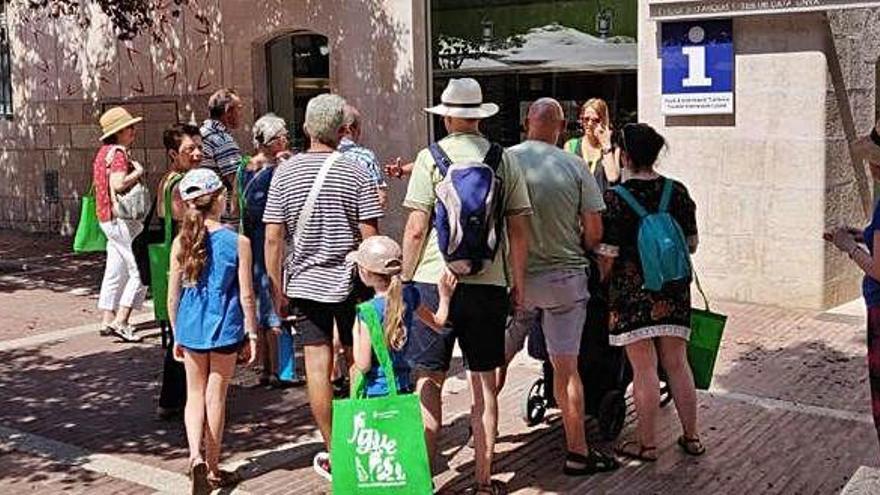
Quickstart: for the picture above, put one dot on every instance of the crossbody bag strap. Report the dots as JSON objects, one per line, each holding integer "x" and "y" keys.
{"x": 370, "y": 317}
{"x": 309, "y": 206}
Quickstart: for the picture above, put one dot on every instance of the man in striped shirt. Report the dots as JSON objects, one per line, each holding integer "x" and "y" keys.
{"x": 350, "y": 145}
{"x": 320, "y": 285}
{"x": 219, "y": 150}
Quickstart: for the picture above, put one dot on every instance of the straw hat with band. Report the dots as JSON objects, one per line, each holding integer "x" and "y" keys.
{"x": 115, "y": 120}
{"x": 463, "y": 99}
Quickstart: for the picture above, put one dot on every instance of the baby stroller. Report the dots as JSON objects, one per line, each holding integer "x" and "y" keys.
{"x": 604, "y": 370}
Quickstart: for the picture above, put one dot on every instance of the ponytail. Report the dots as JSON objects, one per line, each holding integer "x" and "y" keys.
{"x": 193, "y": 235}
{"x": 395, "y": 333}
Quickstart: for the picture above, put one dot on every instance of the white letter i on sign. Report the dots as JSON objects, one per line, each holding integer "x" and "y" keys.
{"x": 696, "y": 67}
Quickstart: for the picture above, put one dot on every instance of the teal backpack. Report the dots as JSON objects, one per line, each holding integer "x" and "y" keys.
{"x": 662, "y": 247}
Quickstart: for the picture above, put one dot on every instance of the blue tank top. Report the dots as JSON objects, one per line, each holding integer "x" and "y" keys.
{"x": 209, "y": 315}
{"x": 377, "y": 384}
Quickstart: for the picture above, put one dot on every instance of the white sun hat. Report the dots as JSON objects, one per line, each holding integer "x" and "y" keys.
{"x": 463, "y": 99}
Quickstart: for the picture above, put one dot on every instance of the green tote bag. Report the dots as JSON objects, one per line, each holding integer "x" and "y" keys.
{"x": 89, "y": 236}
{"x": 378, "y": 444}
{"x": 707, "y": 328}
{"x": 160, "y": 257}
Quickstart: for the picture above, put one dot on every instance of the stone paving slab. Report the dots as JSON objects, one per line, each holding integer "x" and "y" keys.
{"x": 23, "y": 473}
{"x": 789, "y": 412}
{"x": 99, "y": 396}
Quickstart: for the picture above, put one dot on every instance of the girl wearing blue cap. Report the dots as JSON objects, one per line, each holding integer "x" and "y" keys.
{"x": 213, "y": 315}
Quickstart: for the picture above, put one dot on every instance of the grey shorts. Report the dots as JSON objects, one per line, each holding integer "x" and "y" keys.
{"x": 557, "y": 301}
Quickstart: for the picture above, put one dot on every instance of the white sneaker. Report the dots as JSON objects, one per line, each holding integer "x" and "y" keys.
{"x": 125, "y": 332}
{"x": 321, "y": 463}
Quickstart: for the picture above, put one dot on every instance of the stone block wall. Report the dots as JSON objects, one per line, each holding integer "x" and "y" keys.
{"x": 378, "y": 62}
{"x": 856, "y": 35}
{"x": 767, "y": 178}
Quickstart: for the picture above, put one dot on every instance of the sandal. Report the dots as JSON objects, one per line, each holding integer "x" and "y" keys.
{"x": 634, "y": 450}
{"x": 198, "y": 475}
{"x": 494, "y": 488}
{"x": 592, "y": 463}
{"x": 225, "y": 479}
{"x": 691, "y": 446}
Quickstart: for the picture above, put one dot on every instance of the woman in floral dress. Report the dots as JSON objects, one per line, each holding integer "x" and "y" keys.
{"x": 650, "y": 325}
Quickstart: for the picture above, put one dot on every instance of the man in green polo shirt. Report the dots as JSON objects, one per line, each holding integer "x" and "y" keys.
{"x": 566, "y": 224}
{"x": 481, "y": 303}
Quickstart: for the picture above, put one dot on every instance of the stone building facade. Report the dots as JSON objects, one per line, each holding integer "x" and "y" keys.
{"x": 767, "y": 179}
{"x": 47, "y": 146}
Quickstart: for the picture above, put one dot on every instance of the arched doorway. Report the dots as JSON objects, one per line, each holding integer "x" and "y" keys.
{"x": 298, "y": 69}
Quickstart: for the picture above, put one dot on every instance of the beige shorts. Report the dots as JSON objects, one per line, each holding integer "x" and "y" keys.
{"x": 557, "y": 301}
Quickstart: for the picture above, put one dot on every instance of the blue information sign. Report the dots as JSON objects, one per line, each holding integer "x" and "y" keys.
{"x": 698, "y": 67}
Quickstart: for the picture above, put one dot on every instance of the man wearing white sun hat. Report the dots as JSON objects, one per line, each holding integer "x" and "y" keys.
{"x": 481, "y": 302}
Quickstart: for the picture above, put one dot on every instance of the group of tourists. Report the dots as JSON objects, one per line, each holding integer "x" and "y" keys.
{"x": 294, "y": 237}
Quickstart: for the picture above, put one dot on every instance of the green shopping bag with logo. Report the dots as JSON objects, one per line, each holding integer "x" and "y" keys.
{"x": 160, "y": 256}
{"x": 378, "y": 444}
{"x": 707, "y": 329}
{"x": 89, "y": 236}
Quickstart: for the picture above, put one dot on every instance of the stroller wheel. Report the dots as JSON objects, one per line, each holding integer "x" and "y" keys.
{"x": 612, "y": 414}
{"x": 535, "y": 405}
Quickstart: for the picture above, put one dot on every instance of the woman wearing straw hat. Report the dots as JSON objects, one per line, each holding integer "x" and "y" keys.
{"x": 850, "y": 240}
{"x": 114, "y": 173}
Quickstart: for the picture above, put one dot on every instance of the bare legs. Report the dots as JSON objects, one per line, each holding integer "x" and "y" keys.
{"x": 484, "y": 421}
{"x": 319, "y": 367}
{"x": 429, "y": 387}
{"x": 207, "y": 378}
{"x": 569, "y": 392}
{"x": 643, "y": 356}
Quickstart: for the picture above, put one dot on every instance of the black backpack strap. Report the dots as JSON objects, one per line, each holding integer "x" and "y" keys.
{"x": 493, "y": 156}
{"x": 440, "y": 158}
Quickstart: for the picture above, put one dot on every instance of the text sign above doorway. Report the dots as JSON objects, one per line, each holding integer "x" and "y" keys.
{"x": 698, "y": 67}
{"x": 663, "y": 10}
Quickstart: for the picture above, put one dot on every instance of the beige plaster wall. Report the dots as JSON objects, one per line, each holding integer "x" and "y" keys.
{"x": 759, "y": 176}
{"x": 377, "y": 61}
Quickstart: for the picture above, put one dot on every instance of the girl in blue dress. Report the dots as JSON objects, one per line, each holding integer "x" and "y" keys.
{"x": 213, "y": 317}
{"x": 379, "y": 261}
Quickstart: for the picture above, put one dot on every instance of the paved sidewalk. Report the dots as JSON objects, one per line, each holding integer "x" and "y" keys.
{"x": 788, "y": 414}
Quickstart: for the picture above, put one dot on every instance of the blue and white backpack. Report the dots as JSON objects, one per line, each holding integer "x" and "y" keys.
{"x": 663, "y": 249}
{"x": 467, "y": 214}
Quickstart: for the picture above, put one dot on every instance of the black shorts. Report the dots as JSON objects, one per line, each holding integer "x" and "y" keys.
{"x": 477, "y": 317}
{"x": 226, "y": 349}
{"x": 314, "y": 320}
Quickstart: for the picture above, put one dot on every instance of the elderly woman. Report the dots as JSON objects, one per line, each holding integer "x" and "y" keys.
{"x": 272, "y": 145}
{"x": 183, "y": 144}
{"x": 114, "y": 173}
{"x": 850, "y": 240}
{"x": 595, "y": 145}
